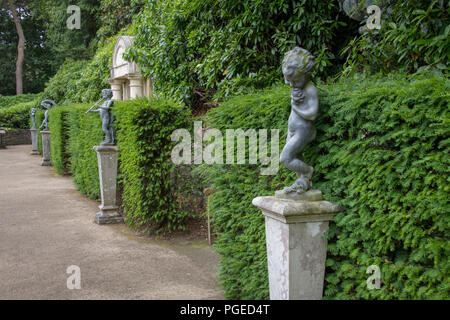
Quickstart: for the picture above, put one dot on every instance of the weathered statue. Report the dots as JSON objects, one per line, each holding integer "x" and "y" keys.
{"x": 33, "y": 118}
{"x": 106, "y": 116}
{"x": 47, "y": 104}
{"x": 297, "y": 66}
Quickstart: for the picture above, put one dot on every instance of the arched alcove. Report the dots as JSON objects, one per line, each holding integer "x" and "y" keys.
{"x": 126, "y": 79}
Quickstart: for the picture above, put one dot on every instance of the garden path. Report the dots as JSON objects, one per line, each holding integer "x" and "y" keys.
{"x": 46, "y": 225}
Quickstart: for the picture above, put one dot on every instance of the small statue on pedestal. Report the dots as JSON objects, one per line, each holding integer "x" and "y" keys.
{"x": 297, "y": 66}
{"x": 47, "y": 104}
{"x": 33, "y": 118}
{"x": 106, "y": 116}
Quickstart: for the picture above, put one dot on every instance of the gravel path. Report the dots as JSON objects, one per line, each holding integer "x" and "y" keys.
{"x": 46, "y": 225}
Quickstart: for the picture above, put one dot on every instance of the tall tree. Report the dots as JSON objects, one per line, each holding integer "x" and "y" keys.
{"x": 20, "y": 47}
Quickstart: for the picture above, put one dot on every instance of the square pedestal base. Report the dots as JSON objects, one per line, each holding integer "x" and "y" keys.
{"x": 108, "y": 217}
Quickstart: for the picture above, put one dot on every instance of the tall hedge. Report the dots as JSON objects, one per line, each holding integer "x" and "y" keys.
{"x": 18, "y": 116}
{"x": 382, "y": 152}
{"x": 59, "y": 130}
{"x": 143, "y": 130}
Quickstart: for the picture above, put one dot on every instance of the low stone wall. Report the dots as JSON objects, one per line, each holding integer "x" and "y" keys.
{"x": 16, "y": 136}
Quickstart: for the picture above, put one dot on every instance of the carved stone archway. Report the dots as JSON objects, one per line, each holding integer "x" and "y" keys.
{"x": 126, "y": 79}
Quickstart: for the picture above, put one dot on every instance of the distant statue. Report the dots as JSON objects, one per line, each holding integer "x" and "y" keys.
{"x": 46, "y": 104}
{"x": 297, "y": 67}
{"x": 106, "y": 116}
{"x": 33, "y": 118}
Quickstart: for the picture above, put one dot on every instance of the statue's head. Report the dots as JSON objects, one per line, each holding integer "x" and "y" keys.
{"x": 297, "y": 67}
{"x": 107, "y": 93}
{"x": 33, "y": 111}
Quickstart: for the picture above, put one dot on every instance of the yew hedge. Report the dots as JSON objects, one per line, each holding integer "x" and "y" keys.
{"x": 382, "y": 152}
{"x": 143, "y": 130}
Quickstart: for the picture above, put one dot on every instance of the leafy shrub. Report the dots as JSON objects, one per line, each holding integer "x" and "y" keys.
{"x": 143, "y": 132}
{"x": 195, "y": 50}
{"x": 82, "y": 80}
{"x": 17, "y": 116}
{"x": 382, "y": 152}
{"x": 9, "y": 101}
{"x": 414, "y": 37}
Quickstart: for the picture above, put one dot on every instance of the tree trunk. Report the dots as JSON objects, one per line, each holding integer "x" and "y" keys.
{"x": 20, "y": 48}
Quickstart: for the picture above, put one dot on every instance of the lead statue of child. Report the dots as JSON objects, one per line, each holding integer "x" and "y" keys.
{"x": 106, "y": 116}
{"x": 297, "y": 66}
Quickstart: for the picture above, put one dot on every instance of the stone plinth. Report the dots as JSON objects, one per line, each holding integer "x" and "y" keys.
{"x": 45, "y": 148}
{"x": 296, "y": 246}
{"x": 107, "y": 169}
{"x": 34, "y": 141}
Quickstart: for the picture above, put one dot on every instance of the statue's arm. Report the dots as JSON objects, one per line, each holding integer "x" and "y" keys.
{"x": 312, "y": 105}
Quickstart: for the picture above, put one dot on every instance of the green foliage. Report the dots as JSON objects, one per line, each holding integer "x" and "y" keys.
{"x": 61, "y": 42}
{"x": 414, "y": 37}
{"x": 80, "y": 80}
{"x": 18, "y": 115}
{"x": 85, "y": 132}
{"x": 195, "y": 50}
{"x": 36, "y": 66}
{"x": 9, "y": 101}
{"x": 382, "y": 152}
{"x": 143, "y": 131}
{"x": 59, "y": 128}
{"x": 116, "y": 15}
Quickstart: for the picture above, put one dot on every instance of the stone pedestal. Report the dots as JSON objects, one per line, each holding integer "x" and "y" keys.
{"x": 45, "y": 148}
{"x": 107, "y": 169}
{"x": 34, "y": 141}
{"x": 296, "y": 246}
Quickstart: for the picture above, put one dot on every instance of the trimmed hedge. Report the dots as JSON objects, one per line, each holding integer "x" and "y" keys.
{"x": 18, "y": 116}
{"x": 59, "y": 130}
{"x": 382, "y": 152}
{"x": 143, "y": 131}
{"x": 9, "y": 101}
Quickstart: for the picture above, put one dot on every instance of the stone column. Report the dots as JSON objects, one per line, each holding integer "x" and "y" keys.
{"x": 296, "y": 246}
{"x": 34, "y": 141}
{"x": 45, "y": 148}
{"x": 135, "y": 87}
{"x": 116, "y": 87}
{"x": 107, "y": 169}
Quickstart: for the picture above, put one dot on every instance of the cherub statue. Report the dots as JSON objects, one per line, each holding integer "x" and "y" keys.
{"x": 297, "y": 66}
{"x": 33, "y": 118}
{"x": 47, "y": 104}
{"x": 106, "y": 116}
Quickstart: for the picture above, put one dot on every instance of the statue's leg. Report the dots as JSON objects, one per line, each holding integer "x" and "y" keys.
{"x": 291, "y": 158}
{"x": 289, "y": 155}
{"x": 106, "y": 131}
